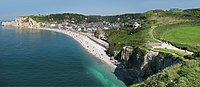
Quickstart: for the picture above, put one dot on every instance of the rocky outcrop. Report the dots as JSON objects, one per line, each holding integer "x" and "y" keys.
{"x": 126, "y": 53}
{"x": 23, "y": 22}
{"x": 6, "y": 23}
{"x": 140, "y": 64}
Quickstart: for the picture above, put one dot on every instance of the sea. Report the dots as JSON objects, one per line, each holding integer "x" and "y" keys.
{"x": 30, "y": 57}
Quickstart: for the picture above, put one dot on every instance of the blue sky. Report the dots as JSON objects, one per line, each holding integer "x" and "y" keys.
{"x": 10, "y": 9}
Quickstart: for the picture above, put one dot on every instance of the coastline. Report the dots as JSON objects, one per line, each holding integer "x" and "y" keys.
{"x": 89, "y": 45}
{"x": 94, "y": 46}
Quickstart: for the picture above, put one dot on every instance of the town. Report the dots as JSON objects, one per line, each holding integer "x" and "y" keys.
{"x": 95, "y": 28}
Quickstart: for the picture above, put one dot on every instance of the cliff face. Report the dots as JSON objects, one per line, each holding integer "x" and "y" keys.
{"x": 6, "y": 23}
{"x": 140, "y": 64}
{"x": 23, "y": 22}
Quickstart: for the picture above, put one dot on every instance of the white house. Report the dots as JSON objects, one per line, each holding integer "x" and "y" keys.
{"x": 136, "y": 25}
{"x": 52, "y": 25}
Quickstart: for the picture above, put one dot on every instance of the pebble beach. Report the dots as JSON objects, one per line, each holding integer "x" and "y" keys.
{"x": 89, "y": 45}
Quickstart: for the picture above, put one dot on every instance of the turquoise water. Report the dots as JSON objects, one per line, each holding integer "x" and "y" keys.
{"x": 43, "y": 58}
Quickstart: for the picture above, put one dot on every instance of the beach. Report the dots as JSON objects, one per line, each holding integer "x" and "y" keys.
{"x": 89, "y": 45}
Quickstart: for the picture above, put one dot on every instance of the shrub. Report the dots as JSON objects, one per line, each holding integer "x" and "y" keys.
{"x": 182, "y": 73}
{"x": 110, "y": 52}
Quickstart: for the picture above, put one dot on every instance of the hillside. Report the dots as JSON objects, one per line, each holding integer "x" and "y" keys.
{"x": 186, "y": 74}
{"x": 178, "y": 29}
{"x": 78, "y": 18}
{"x": 157, "y": 22}
{"x": 181, "y": 29}
{"x": 172, "y": 20}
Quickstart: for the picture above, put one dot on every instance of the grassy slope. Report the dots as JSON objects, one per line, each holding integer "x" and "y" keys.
{"x": 173, "y": 52}
{"x": 120, "y": 38}
{"x": 180, "y": 75}
{"x": 186, "y": 74}
{"x": 171, "y": 20}
{"x": 127, "y": 36}
{"x": 189, "y": 42}
{"x": 189, "y": 35}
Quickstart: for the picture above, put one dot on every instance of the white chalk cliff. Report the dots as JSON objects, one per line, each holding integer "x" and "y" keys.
{"x": 23, "y": 22}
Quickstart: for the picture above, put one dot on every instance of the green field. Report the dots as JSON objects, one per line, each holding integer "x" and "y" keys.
{"x": 189, "y": 35}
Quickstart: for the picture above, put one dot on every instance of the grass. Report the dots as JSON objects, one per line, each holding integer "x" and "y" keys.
{"x": 179, "y": 28}
{"x": 120, "y": 38}
{"x": 183, "y": 32}
{"x": 174, "y": 52}
{"x": 185, "y": 74}
{"x": 189, "y": 35}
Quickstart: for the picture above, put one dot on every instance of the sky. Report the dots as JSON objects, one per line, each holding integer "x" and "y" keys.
{"x": 9, "y": 9}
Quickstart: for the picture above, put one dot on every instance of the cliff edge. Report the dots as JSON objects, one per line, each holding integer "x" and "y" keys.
{"x": 23, "y": 22}
{"x": 139, "y": 64}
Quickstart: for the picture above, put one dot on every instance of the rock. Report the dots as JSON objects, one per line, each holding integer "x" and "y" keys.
{"x": 126, "y": 53}
{"x": 33, "y": 23}
{"x": 148, "y": 57}
{"x": 140, "y": 64}
{"x": 6, "y": 23}
{"x": 23, "y": 22}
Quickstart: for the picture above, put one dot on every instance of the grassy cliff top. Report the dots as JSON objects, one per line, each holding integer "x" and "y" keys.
{"x": 185, "y": 74}
{"x": 181, "y": 28}
{"x": 153, "y": 27}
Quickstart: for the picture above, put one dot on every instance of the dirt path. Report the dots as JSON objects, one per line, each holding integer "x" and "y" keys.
{"x": 151, "y": 33}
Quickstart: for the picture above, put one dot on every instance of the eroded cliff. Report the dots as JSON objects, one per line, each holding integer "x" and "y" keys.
{"x": 26, "y": 22}
{"x": 139, "y": 63}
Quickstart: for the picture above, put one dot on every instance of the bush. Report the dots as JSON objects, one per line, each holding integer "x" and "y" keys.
{"x": 190, "y": 57}
{"x": 110, "y": 52}
{"x": 196, "y": 55}
{"x": 133, "y": 31}
{"x": 182, "y": 73}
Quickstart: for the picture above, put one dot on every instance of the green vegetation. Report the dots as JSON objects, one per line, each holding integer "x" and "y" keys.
{"x": 174, "y": 52}
{"x": 185, "y": 74}
{"x": 59, "y": 18}
{"x": 78, "y": 18}
{"x": 154, "y": 23}
{"x": 128, "y": 36}
{"x": 170, "y": 20}
{"x": 159, "y": 31}
{"x": 119, "y": 38}
{"x": 189, "y": 35}
{"x": 194, "y": 56}
{"x": 179, "y": 27}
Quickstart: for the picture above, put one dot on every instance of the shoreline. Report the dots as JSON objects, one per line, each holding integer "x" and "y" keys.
{"x": 89, "y": 45}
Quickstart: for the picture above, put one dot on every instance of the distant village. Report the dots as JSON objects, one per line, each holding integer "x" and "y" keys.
{"x": 85, "y": 27}
{"x": 90, "y": 28}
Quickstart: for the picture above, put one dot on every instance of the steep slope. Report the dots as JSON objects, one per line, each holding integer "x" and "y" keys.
{"x": 140, "y": 64}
